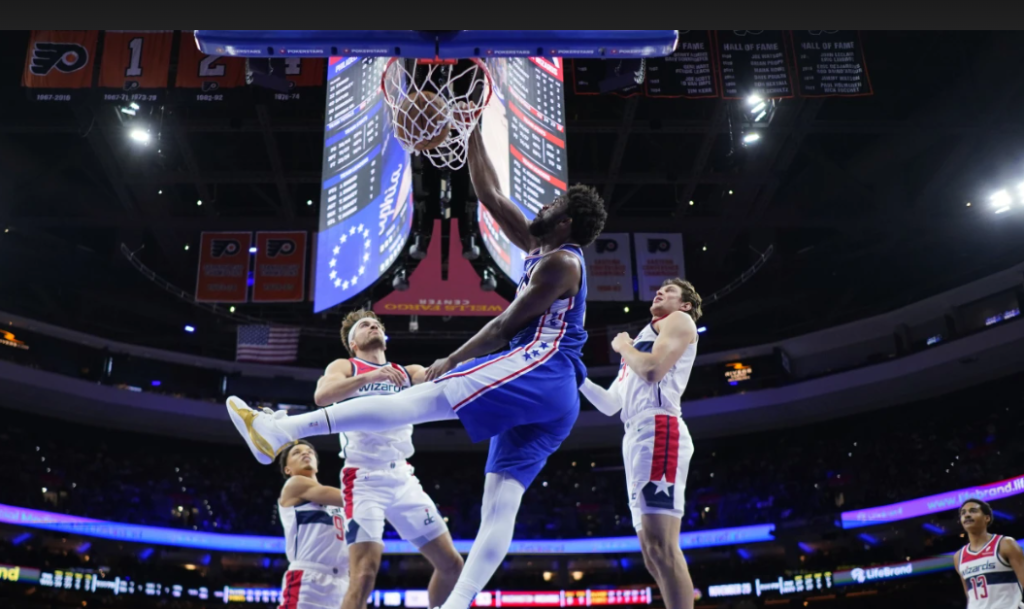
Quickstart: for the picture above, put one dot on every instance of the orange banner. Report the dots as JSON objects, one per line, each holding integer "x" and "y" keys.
{"x": 280, "y": 274}
{"x": 136, "y": 60}
{"x": 209, "y": 73}
{"x": 223, "y": 267}
{"x": 308, "y": 72}
{"x": 60, "y": 59}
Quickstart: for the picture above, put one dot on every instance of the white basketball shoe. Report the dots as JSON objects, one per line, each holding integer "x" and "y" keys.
{"x": 260, "y": 430}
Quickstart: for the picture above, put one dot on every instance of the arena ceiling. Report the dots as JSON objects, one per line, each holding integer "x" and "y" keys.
{"x": 864, "y": 200}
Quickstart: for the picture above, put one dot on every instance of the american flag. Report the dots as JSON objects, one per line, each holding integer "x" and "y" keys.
{"x": 267, "y": 344}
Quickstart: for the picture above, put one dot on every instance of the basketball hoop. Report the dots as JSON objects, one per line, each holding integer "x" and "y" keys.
{"x": 433, "y": 99}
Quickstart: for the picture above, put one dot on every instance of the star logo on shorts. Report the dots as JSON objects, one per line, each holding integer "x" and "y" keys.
{"x": 526, "y": 356}
{"x": 662, "y": 485}
{"x": 536, "y": 352}
{"x": 543, "y": 345}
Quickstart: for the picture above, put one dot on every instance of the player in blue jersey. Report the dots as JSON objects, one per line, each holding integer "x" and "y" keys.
{"x": 524, "y": 399}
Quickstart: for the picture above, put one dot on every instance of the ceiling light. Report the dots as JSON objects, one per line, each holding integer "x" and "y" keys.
{"x": 750, "y": 138}
{"x": 753, "y": 100}
{"x": 139, "y": 135}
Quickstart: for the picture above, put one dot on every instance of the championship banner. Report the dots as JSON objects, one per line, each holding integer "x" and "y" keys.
{"x": 135, "y": 65}
{"x": 280, "y": 274}
{"x": 659, "y": 256}
{"x": 609, "y": 268}
{"x": 207, "y": 77}
{"x": 223, "y": 267}
{"x": 59, "y": 64}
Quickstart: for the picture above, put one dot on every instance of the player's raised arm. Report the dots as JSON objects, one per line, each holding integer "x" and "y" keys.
{"x": 552, "y": 278}
{"x": 605, "y": 400}
{"x": 340, "y": 382}
{"x": 308, "y": 489}
{"x": 488, "y": 190}
{"x": 676, "y": 332}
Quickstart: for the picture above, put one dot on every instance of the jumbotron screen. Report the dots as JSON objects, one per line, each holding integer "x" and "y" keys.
{"x": 366, "y": 196}
{"x": 523, "y": 130}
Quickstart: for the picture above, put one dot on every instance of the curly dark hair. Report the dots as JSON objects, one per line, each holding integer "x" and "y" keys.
{"x": 282, "y": 457}
{"x": 586, "y": 209}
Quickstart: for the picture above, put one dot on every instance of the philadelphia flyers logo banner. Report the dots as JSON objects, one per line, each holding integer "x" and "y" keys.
{"x": 59, "y": 64}
{"x": 206, "y": 78}
{"x": 223, "y": 267}
{"x": 280, "y": 273}
{"x": 135, "y": 65}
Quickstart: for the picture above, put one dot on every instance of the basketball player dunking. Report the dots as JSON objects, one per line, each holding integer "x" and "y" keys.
{"x": 317, "y": 576}
{"x": 525, "y": 400}
{"x": 377, "y": 481}
{"x": 991, "y": 566}
{"x": 657, "y": 447}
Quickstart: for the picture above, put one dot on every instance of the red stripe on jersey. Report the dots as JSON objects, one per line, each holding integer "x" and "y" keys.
{"x": 665, "y": 459}
{"x": 292, "y": 588}
{"x": 348, "y": 480}
{"x": 988, "y": 550}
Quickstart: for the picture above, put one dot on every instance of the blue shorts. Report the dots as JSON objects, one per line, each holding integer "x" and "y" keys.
{"x": 526, "y": 404}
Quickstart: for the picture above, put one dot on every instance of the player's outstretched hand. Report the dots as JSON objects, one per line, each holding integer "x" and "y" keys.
{"x": 439, "y": 368}
{"x": 388, "y": 374}
{"x": 621, "y": 341}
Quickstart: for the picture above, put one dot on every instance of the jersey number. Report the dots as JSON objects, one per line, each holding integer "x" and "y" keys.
{"x": 207, "y": 67}
{"x": 135, "y": 63}
{"x": 339, "y": 523}
{"x": 979, "y": 582}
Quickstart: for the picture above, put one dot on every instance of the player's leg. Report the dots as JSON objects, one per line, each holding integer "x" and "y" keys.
{"x": 414, "y": 515}
{"x": 266, "y": 434}
{"x": 659, "y": 542}
{"x": 365, "y": 501}
{"x": 502, "y": 496}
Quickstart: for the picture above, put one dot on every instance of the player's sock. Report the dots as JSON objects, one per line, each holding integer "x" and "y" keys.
{"x": 420, "y": 404}
{"x": 502, "y": 496}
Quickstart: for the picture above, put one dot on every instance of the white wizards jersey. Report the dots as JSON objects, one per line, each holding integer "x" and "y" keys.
{"x": 991, "y": 581}
{"x": 375, "y": 450}
{"x": 315, "y": 533}
{"x": 640, "y": 395}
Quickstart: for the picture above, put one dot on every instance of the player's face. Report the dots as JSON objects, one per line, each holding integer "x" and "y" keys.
{"x": 369, "y": 334}
{"x": 548, "y": 218}
{"x": 301, "y": 460}
{"x": 669, "y": 299}
{"x": 973, "y": 519}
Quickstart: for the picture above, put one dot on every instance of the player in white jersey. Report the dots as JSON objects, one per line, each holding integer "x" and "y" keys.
{"x": 657, "y": 447}
{"x": 991, "y": 566}
{"x": 314, "y": 535}
{"x": 377, "y": 481}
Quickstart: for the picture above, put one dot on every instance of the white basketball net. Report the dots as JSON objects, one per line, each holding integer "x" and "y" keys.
{"x": 460, "y": 95}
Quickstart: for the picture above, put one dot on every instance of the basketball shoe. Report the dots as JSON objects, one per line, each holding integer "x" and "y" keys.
{"x": 260, "y": 430}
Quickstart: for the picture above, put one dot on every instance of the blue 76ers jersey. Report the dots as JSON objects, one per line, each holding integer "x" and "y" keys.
{"x": 562, "y": 323}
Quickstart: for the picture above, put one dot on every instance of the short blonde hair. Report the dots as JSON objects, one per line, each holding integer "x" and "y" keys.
{"x": 352, "y": 319}
{"x": 690, "y": 295}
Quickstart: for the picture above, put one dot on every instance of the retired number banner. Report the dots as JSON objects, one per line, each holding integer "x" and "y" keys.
{"x": 659, "y": 256}
{"x": 280, "y": 274}
{"x": 206, "y": 77}
{"x": 59, "y": 64}
{"x": 609, "y": 268}
{"x": 135, "y": 65}
{"x": 223, "y": 267}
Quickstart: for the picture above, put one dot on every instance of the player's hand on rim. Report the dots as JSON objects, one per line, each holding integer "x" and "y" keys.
{"x": 621, "y": 341}
{"x": 439, "y": 368}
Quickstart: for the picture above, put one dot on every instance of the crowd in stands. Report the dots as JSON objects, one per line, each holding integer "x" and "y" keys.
{"x": 805, "y": 472}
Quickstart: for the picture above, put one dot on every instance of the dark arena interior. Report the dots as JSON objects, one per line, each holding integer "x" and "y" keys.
{"x": 179, "y": 228}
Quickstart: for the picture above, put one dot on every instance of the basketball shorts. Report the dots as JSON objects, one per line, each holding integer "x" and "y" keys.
{"x": 526, "y": 402}
{"x": 307, "y": 586}
{"x": 656, "y": 452}
{"x": 372, "y": 496}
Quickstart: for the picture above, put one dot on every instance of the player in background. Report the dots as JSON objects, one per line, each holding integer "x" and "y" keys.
{"x": 657, "y": 447}
{"x": 991, "y": 566}
{"x": 377, "y": 481}
{"x": 525, "y": 400}
{"x": 317, "y": 576}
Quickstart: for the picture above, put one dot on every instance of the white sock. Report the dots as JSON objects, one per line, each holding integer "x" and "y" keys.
{"x": 421, "y": 404}
{"x": 502, "y": 496}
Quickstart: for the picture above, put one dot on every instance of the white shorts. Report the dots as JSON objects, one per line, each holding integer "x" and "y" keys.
{"x": 303, "y": 588}
{"x": 394, "y": 494}
{"x": 656, "y": 453}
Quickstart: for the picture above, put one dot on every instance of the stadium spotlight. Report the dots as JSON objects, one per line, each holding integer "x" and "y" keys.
{"x": 750, "y": 138}
{"x": 199, "y": 203}
{"x": 401, "y": 280}
{"x": 139, "y": 135}
{"x": 1001, "y": 201}
{"x": 488, "y": 283}
{"x": 754, "y": 100}
{"x": 190, "y": 329}
{"x": 625, "y": 309}
{"x": 252, "y": 250}
{"x": 309, "y": 202}
{"x": 702, "y": 330}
